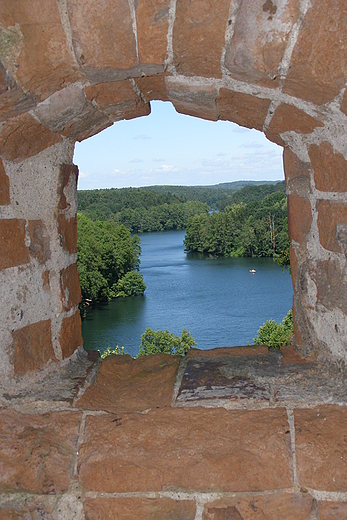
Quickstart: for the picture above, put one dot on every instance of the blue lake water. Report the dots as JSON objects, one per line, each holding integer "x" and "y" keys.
{"x": 217, "y": 299}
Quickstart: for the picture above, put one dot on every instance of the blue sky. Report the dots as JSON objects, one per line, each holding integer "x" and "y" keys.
{"x": 170, "y": 148}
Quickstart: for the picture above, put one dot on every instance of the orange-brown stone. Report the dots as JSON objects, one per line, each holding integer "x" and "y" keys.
{"x": 331, "y": 215}
{"x": 70, "y": 336}
{"x": 32, "y": 347}
{"x": 318, "y": 67}
{"x": 290, "y": 356}
{"x": 288, "y": 118}
{"x": 37, "y": 452}
{"x": 103, "y": 38}
{"x": 332, "y": 510}
{"x": 252, "y": 350}
{"x": 67, "y": 230}
{"x": 66, "y": 172}
{"x": 297, "y": 334}
{"x": 286, "y": 506}
{"x": 39, "y": 241}
{"x": 13, "y": 250}
{"x": 26, "y": 509}
{"x": 199, "y": 37}
{"x": 144, "y": 508}
{"x": 344, "y": 103}
{"x": 152, "y": 27}
{"x": 299, "y": 217}
{"x": 330, "y": 168}
{"x": 259, "y": 40}
{"x": 70, "y": 287}
{"x": 45, "y": 63}
{"x": 45, "y": 281}
{"x": 23, "y": 137}
{"x": 243, "y": 109}
{"x": 293, "y": 267}
{"x": 293, "y": 167}
{"x": 321, "y": 446}
{"x": 88, "y": 122}
{"x": 152, "y": 87}
{"x": 198, "y": 100}
{"x": 124, "y": 384}
{"x": 4, "y": 186}
{"x": 182, "y": 449}
{"x": 331, "y": 285}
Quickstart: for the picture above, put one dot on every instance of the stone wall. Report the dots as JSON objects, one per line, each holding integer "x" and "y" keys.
{"x": 70, "y": 68}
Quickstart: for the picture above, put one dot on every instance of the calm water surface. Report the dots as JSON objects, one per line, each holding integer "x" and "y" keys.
{"x": 218, "y": 300}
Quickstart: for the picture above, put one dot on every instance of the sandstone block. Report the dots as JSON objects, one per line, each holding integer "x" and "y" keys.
{"x": 294, "y": 267}
{"x": 32, "y": 347}
{"x": 39, "y": 241}
{"x": 67, "y": 229}
{"x": 25, "y": 509}
{"x": 152, "y": 87}
{"x": 13, "y": 250}
{"x": 298, "y": 342}
{"x": 23, "y": 137}
{"x": 299, "y": 217}
{"x": 291, "y": 356}
{"x": 243, "y": 109}
{"x": 70, "y": 336}
{"x": 124, "y": 384}
{"x": 88, "y": 122}
{"x": 321, "y": 445}
{"x": 102, "y": 36}
{"x": 252, "y": 350}
{"x": 297, "y": 174}
{"x": 288, "y": 118}
{"x": 332, "y": 510}
{"x": 259, "y": 40}
{"x": 70, "y": 287}
{"x": 152, "y": 27}
{"x": 330, "y": 168}
{"x": 144, "y": 508}
{"x": 199, "y": 37}
{"x": 68, "y": 173}
{"x": 13, "y": 101}
{"x": 179, "y": 449}
{"x": 331, "y": 285}
{"x": 288, "y": 506}
{"x": 332, "y": 225}
{"x": 197, "y": 100}
{"x": 318, "y": 67}
{"x": 45, "y": 281}
{"x": 37, "y": 451}
{"x": 344, "y": 103}
{"x": 4, "y": 186}
{"x": 44, "y": 63}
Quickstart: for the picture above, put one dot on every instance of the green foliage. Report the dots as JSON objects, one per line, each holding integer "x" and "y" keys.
{"x": 131, "y": 284}
{"x": 162, "y": 341}
{"x": 106, "y": 253}
{"x": 276, "y": 335}
{"x": 118, "y": 351}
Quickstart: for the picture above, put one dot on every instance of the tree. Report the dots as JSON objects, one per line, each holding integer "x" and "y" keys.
{"x": 276, "y": 335}
{"x": 162, "y": 341}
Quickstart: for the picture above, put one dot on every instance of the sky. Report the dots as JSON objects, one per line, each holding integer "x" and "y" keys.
{"x": 170, "y": 148}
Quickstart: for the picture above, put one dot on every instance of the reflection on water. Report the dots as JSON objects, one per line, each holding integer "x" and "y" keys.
{"x": 217, "y": 299}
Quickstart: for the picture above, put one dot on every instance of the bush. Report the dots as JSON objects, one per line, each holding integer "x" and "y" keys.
{"x": 118, "y": 351}
{"x": 276, "y": 335}
{"x": 162, "y": 341}
{"x": 131, "y": 284}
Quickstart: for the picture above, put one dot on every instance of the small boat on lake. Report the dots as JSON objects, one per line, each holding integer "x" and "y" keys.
{"x": 252, "y": 271}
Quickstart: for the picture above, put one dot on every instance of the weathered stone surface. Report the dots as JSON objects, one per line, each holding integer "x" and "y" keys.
{"x": 243, "y": 109}
{"x": 44, "y": 63}
{"x": 32, "y": 347}
{"x": 70, "y": 287}
{"x": 199, "y": 37}
{"x": 297, "y": 174}
{"x": 290, "y": 356}
{"x": 4, "y": 186}
{"x": 330, "y": 168}
{"x": 152, "y": 27}
{"x": 344, "y": 103}
{"x": 144, "y": 508}
{"x": 13, "y": 101}
{"x": 45, "y": 281}
{"x": 13, "y": 250}
{"x": 331, "y": 284}
{"x": 70, "y": 336}
{"x": 288, "y": 118}
{"x": 286, "y": 506}
{"x": 315, "y": 74}
{"x": 26, "y": 509}
{"x": 117, "y": 99}
{"x": 332, "y": 225}
{"x": 68, "y": 173}
{"x": 321, "y": 445}
{"x": 259, "y": 40}
{"x": 88, "y": 122}
{"x": 332, "y": 510}
{"x": 186, "y": 449}
{"x": 103, "y": 38}
{"x": 252, "y": 350}
{"x": 37, "y": 451}
{"x": 124, "y": 384}
{"x": 39, "y": 241}
{"x": 67, "y": 229}
{"x": 299, "y": 217}
{"x": 153, "y": 87}
{"x": 198, "y": 100}
{"x": 23, "y": 137}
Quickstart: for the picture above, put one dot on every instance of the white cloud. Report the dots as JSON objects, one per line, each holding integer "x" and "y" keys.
{"x": 252, "y": 144}
{"x": 221, "y": 154}
{"x": 158, "y": 159}
{"x": 136, "y": 161}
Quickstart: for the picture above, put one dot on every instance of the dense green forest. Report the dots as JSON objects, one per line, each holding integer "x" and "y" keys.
{"x": 254, "y": 228}
{"x": 108, "y": 259}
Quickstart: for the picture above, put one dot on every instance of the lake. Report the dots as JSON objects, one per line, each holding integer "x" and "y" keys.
{"x": 217, "y": 299}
